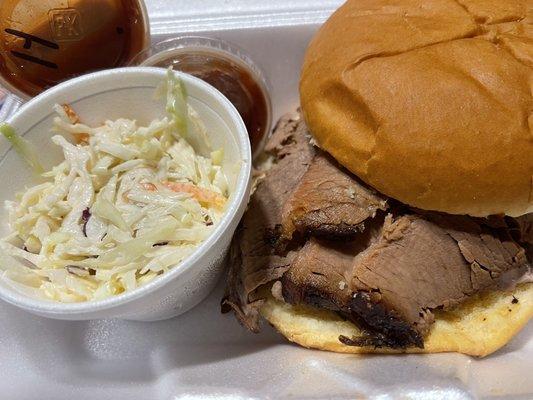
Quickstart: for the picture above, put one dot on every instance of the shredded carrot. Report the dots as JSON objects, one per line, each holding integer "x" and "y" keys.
{"x": 200, "y": 194}
{"x": 81, "y": 138}
{"x": 75, "y": 119}
{"x": 125, "y": 196}
{"x": 149, "y": 186}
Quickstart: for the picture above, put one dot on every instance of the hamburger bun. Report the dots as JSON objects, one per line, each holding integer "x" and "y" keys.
{"x": 478, "y": 327}
{"x": 430, "y": 103}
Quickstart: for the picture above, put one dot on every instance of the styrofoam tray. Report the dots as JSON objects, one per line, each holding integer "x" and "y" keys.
{"x": 204, "y": 354}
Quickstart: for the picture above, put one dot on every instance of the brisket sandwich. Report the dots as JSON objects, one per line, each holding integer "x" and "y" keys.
{"x": 395, "y": 212}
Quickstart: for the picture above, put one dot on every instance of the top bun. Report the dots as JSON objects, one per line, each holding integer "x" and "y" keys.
{"x": 429, "y": 102}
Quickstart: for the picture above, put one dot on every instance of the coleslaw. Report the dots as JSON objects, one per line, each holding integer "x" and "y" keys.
{"x": 127, "y": 204}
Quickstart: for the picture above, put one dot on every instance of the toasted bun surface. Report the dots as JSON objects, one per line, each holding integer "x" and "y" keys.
{"x": 429, "y": 102}
{"x": 477, "y": 327}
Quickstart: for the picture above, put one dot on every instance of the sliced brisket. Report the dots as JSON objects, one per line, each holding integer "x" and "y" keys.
{"x": 416, "y": 264}
{"x": 329, "y": 202}
{"x": 256, "y": 259}
{"x": 320, "y": 273}
{"x": 387, "y": 274}
{"x": 525, "y": 224}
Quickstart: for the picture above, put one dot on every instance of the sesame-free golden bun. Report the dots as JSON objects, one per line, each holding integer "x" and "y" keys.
{"x": 429, "y": 102}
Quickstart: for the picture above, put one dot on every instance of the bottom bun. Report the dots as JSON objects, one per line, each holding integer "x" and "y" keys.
{"x": 478, "y": 327}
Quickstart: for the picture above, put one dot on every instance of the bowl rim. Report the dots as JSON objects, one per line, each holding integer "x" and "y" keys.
{"x": 241, "y": 193}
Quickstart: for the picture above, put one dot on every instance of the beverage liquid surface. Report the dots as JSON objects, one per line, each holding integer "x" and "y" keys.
{"x": 232, "y": 79}
{"x": 43, "y": 42}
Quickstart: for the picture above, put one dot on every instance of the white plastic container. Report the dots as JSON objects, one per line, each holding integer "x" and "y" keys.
{"x": 130, "y": 93}
{"x": 206, "y": 355}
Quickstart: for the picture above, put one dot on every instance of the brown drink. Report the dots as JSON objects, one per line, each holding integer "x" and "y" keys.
{"x": 43, "y": 42}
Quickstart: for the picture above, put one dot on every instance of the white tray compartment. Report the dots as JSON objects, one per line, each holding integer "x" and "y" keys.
{"x": 204, "y": 354}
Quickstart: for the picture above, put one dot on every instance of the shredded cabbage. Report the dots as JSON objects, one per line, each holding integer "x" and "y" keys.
{"x": 127, "y": 204}
{"x": 177, "y": 103}
{"x": 22, "y": 147}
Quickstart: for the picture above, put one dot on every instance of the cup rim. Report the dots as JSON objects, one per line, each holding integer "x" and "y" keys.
{"x": 146, "y": 56}
{"x": 241, "y": 195}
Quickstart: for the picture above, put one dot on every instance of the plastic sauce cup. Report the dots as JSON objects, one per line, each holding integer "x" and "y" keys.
{"x": 226, "y": 67}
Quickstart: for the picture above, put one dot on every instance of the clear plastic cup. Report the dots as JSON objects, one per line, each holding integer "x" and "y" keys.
{"x": 45, "y": 42}
{"x": 226, "y": 67}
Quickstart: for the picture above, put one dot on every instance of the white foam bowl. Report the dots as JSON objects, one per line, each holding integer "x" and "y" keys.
{"x": 129, "y": 93}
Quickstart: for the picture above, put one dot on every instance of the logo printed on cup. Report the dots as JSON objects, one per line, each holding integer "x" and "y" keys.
{"x": 65, "y": 24}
